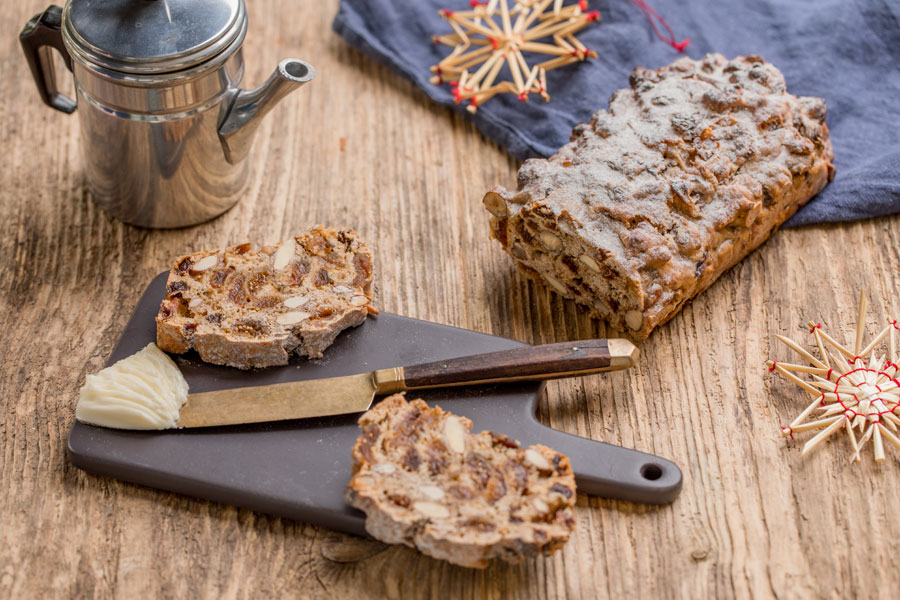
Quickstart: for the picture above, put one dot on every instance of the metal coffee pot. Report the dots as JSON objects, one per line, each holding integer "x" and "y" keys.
{"x": 165, "y": 127}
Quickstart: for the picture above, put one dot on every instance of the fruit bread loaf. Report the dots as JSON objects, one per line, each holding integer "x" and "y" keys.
{"x": 685, "y": 174}
{"x": 252, "y": 308}
{"x": 424, "y": 480}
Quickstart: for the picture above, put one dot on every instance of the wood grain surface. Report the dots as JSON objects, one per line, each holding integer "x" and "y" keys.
{"x": 361, "y": 147}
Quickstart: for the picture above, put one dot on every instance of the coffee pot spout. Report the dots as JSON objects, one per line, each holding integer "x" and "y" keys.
{"x": 248, "y": 107}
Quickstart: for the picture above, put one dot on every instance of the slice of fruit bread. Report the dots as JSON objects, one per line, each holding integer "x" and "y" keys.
{"x": 253, "y": 308}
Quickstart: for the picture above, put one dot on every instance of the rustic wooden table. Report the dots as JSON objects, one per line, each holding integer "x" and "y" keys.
{"x": 361, "y": 147}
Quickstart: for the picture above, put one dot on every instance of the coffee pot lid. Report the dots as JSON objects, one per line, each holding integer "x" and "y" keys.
{"x": 153, "y": 36}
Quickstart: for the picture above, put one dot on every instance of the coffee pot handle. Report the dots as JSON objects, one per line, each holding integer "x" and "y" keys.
{"x": 41, "y": 34}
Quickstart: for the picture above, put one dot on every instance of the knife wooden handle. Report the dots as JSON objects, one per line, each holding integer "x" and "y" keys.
{"x": 549, "y": 361}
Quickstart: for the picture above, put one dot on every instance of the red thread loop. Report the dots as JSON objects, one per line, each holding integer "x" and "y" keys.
{"x": 582, "y": 4}
{"x": 651, "y": 15}
{"x": 790, "y": 431}
{"x": 772, "y": 368}
{"x": 894, "y": 323}
{"x": 445, "y": 13}
{"x": 474, "y": 3}
{"x": 828, "y": 375}
{"x": 592, "y": 16}
{"x": 818, "y": 326}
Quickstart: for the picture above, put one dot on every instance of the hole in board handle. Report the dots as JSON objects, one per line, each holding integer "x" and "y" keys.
{"x": 651, "y": 471}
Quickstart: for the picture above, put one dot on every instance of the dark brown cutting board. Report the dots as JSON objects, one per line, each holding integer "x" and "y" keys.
{"x": 298, "y": 469}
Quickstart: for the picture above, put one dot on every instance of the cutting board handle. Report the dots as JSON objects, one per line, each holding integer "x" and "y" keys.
{"x": 611, "y": 471}
{"x": 548, "y": 361}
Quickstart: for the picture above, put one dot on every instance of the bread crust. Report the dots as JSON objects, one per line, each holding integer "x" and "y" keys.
{"x": 424, "y": 480}
{"x": 686, "y": 173}
{"x": 250, "y": 308}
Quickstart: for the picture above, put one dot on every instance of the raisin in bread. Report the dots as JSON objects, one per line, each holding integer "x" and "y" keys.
{"x": 685, "y": 174}
{"x": 424, "y": 480}
{"x": 252, "y": 308}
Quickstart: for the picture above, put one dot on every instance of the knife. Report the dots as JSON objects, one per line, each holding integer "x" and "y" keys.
{"x": 356, "y": 393}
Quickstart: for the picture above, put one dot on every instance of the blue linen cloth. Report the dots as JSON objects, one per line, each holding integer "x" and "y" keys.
{"x": 845, "y": 52}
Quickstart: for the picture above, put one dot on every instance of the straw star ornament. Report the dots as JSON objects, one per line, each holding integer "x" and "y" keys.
{"x": 854, "y": 388}
{"x": 493, "y": 35}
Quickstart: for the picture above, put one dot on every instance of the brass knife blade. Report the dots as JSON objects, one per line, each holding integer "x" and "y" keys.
{"x": 279, "y": 401}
